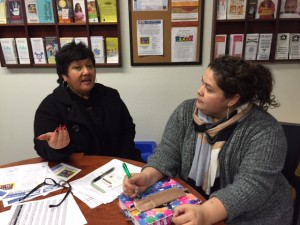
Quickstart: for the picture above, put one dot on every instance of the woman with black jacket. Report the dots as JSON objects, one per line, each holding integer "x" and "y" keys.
{"x": 81, "y": 115}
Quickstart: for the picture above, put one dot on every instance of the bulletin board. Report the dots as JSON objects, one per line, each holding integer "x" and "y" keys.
{"x": 166, "y": 32}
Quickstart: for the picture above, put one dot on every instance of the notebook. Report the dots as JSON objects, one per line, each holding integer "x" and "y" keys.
{"x": 161, "y": 214}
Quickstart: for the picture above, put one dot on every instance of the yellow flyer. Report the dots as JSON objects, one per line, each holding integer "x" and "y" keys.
{"x": 108, "y": 11}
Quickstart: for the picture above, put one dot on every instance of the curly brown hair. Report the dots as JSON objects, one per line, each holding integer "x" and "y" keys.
{"x": 252, "y": 81}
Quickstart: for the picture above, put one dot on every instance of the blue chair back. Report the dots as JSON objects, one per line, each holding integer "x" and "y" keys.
{"x": 146, "y": 148}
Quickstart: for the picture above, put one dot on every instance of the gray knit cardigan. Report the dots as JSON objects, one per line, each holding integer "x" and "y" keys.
{"x": 253, "y": 189}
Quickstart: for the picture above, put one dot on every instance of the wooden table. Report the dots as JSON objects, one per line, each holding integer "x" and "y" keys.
{"x": 105, "y": 214}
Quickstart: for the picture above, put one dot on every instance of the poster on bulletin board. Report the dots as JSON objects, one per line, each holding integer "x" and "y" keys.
{"x": 166, "y": 32}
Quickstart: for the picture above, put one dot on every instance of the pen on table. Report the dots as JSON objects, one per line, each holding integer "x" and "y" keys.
{"x": 103, "y": 174}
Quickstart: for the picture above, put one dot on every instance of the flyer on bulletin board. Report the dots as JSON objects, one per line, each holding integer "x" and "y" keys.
{"x": 150, "y": 5}
{"x": 150, "y": 37}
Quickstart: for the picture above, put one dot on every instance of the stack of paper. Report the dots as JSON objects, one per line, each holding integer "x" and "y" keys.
{"x": 17, "y": 181}
{"x": 110, "y": 186}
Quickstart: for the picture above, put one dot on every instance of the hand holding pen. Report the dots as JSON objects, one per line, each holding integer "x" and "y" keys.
{"x": 58, "y": 139}
{"x": 138, "y": 182}
{"x": 133, "y": 184}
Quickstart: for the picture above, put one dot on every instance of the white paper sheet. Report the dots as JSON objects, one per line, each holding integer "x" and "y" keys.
{"x": 39, "y": 213}
{"x": 23, "y": 179}
{"x": 150, "y": 37}
{"x": 83, "y": 189}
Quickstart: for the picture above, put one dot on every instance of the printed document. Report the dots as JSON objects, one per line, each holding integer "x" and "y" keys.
{"x": 38, "y": 212}
{"x": 184, "y": 44}
{"x": 149, "y": 5}
{"x": 150, "y": 37}
{"x": 17, "y": 181}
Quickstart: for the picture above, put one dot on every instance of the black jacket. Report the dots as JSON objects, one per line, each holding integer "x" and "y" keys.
{"x": 115, "y": 137}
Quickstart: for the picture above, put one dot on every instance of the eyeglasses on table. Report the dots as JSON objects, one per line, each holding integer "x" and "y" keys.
{"x": 51, "y": 182}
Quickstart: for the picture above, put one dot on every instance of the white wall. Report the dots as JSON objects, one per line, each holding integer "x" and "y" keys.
{"x": 151, "y": 93}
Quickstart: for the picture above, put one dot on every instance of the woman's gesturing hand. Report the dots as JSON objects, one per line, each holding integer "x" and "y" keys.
{"x": 58, "y": 139}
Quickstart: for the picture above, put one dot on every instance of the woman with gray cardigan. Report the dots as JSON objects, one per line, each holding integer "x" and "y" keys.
{"x": 226, "y": 145}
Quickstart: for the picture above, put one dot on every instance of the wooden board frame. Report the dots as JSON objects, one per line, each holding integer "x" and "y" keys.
{"x": 165, "y": 16}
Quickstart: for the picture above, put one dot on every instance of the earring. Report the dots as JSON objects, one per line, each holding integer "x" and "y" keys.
{"x": 227, "y": 117}
{"x": 65, "y": 84}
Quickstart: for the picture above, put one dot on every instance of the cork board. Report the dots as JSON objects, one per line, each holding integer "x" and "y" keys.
{"x": 182, "y": 19}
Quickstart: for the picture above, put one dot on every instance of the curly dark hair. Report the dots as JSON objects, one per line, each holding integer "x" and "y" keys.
{"x": 253, "y": 82}
{"x": 69, "y": 53}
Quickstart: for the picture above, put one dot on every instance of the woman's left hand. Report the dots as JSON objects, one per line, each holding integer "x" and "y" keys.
{"x": 189, "y": 214}
{"x": 210, "y": 212}
{"x": 58, "y": 139}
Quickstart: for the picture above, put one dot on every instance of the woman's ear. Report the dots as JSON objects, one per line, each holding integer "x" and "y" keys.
{"x": 64, "y": 77}
{"x": 234, "y": 100}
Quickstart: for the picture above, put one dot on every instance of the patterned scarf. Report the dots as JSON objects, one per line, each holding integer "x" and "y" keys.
{"x": 210, "y": 140}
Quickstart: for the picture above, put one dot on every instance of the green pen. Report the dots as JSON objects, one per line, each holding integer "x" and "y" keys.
{"x": 126, "y": 171}
{"x": 128, "y": 174}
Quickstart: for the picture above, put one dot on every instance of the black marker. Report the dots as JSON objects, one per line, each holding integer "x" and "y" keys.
{"x": 103, "y": 174}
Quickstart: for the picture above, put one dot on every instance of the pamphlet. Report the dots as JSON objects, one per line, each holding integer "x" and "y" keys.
{"x": 108, "y": 11}
{"x": 64, "y": 171}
